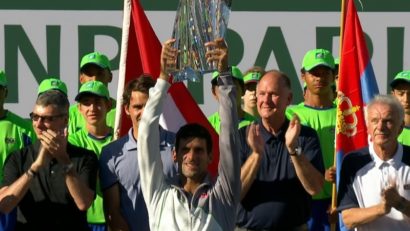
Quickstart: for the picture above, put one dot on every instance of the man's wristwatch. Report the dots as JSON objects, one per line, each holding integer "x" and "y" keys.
{"x": 296, "y": 152}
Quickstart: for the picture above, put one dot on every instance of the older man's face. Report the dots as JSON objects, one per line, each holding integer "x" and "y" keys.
{"x": 383, "y": 124}
{"x": 272, "y": 96}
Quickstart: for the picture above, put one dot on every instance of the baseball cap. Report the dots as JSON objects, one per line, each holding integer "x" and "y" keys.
{"x": 3, "y": 79}
{"x": 95, "y": 58}
{"x": 95, "y": 88}
{"x": 52, "y": 84}
{"x": 236, "y": 73}
{"x": 252, "y": 77}
{"x": 403, "y": 76}
{"x": 318, "y": 57}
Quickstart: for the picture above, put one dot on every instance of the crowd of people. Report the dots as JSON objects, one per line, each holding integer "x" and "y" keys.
{"x": 65, "y": 171}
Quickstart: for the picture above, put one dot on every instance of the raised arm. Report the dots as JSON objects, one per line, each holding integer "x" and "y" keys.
{"x": 229, "y": 165}
{"x": 149, "y": 158}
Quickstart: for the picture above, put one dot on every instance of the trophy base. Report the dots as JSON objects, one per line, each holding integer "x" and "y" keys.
{"x": 187, "y": 74}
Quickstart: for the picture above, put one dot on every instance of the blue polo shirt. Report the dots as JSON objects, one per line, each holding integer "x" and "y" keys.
{"x": 277, "y": 199}
{"x": 119, "y": 165}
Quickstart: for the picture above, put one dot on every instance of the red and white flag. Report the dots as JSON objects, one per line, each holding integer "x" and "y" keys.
{"x": 140, "y": 53}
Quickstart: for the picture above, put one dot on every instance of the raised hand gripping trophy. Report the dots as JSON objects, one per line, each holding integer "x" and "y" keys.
{"x": 196, "y": 23}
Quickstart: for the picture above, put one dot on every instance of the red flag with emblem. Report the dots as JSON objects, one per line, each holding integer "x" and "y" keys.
{"x": 357, "y": 86}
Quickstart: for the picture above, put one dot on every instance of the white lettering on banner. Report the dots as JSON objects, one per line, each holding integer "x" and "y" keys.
{"x": 298, "y": 28}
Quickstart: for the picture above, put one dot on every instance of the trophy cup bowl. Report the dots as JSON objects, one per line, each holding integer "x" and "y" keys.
{"x": 196, "y": 23}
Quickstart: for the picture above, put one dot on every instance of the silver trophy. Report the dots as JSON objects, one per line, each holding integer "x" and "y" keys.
{"x": 196, "y": 23}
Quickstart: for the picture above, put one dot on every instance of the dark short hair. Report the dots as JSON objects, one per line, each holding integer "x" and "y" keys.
{"x": 194, "y": 130}
{"x": 141, "y": 84}
{"x": 281, "y": 74}
{"x": 54, "y": 98}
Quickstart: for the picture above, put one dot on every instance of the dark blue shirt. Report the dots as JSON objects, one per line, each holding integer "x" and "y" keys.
{"x": 277, "y": 199}
{"x": 48, "y": 204}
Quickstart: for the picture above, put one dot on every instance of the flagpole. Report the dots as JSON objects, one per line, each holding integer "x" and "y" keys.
{"x": 122, "y": 67}
{"x": 342, "y": 23}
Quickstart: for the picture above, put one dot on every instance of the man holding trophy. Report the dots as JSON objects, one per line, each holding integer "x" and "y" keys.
{"x": 191, "y": 201}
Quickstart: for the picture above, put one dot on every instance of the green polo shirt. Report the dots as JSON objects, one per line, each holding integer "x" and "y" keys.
{"x": 404, "y": 137}
{"x": 95, "y": 214}
{"x": 16, "y": 133}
